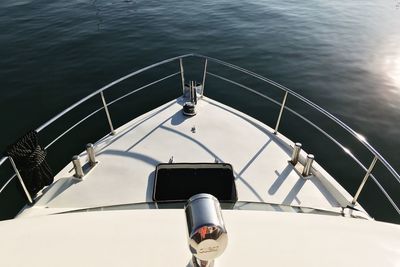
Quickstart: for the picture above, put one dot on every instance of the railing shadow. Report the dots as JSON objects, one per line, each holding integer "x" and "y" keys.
{"x": 175, "y": 120}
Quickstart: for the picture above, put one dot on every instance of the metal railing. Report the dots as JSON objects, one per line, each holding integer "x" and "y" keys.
{"x": 287, "y": 93}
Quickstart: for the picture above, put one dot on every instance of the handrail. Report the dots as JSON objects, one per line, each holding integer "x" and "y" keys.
{"x": 40, "y": 128}
{"x": 105, "y": 107}
{"x": 2, "y": 160}
{"x": 360, "y": 138}
{"x": 6, "y": 183}
{"x": 108, "y": 104}
{"x": 346, "y": 150}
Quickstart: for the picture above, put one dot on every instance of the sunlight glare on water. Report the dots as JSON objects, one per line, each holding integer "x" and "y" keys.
{"x": 392, "y": 69}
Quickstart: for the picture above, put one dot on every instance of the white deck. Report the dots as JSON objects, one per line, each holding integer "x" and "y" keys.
{"x": 127, "y": 161}
{"x": 159, "y": 238}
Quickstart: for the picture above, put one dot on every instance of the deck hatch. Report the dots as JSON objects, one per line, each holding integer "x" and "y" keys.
{"x": 180, "y": 181}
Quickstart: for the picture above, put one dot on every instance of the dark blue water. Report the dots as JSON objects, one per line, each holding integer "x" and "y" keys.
{"x": 343, "y": 55}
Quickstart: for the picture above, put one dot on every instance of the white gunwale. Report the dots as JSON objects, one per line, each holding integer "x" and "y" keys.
{"x": 341, "y": 197}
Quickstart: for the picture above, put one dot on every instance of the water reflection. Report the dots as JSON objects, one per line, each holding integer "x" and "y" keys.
{"x": 385, "y": 70}
{"x": 392, "y": 69}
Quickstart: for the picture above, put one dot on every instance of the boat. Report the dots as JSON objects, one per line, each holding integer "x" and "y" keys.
{"x": 194, "y": 182}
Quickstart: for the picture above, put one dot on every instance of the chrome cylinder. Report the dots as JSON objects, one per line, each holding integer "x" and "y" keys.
{"x": 308, "y": 165}
{"x": 207, "y": 236}
{"x": 295, "y": 153}
{"x": 91, "y": 155}
{"x": 77, "y": 166}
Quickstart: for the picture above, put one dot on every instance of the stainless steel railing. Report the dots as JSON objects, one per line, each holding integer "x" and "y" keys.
{"x": 105, "y": 107}
{"x": 287, "y": 93}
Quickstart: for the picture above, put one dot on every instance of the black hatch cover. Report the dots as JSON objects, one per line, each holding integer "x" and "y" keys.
{"x": 180, "y": 181}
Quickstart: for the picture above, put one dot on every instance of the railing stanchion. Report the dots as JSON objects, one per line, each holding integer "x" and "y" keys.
{"x": 28, "y": 196}
{"x": 367, "y": 174}
{"x": 107, "y": 113}
{"x": 204, "y": 78}
{"x": 182, "y": 76}
{"x": 280, "y": 113}
{"x": 359, "y": 138}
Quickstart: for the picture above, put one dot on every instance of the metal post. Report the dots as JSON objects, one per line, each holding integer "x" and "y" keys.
{"x": 77, "y": 166}
{"x": 27, "y": 194}
{"x": 308, "y": 165}
{"x": 191, "y": 97}
{"x": 280, "y": 113}
{"x": 182, "y": 76}
{"x": 295, "y": 153}
{"x": 192, "y": 90}
{"x": 107, "y": 113}
{"x": 91, "y": 155}
{"x": 194, "y": 93}
{"x": 204, "y": 78}
{"x": 367, "y": 174}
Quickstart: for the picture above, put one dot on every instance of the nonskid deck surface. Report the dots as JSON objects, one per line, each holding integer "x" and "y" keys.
{"x": 127, "y": 160}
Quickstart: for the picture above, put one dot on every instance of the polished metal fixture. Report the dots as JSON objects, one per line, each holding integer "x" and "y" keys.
{"x": 204, "y": 77}
{"x": 190, "y": 93}
{"x": 112, "y": 131}
{"x": 77, "y": 166}
{"x": 21, "y": 181}
{"x": 207, "y": 236}
{"x": 182, "y": 75}
{"x": 367, "y": 174}
{"x": 308, "y": 165}
{"x": 193, "y": 92}
{"x": 295, "y": 153}
{"x": 278, "y": 121}
{"x": 91, "y": 155}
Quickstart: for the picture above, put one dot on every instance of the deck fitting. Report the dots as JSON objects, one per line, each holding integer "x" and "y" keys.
{"x": 91, "y": 154}
{"x": 308, "y": 166}
{"x": 295, "y": 154}
{"x": 77, "y": 167}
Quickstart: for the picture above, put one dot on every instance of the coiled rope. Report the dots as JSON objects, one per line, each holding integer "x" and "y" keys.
{"x": 30, "y": 159}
